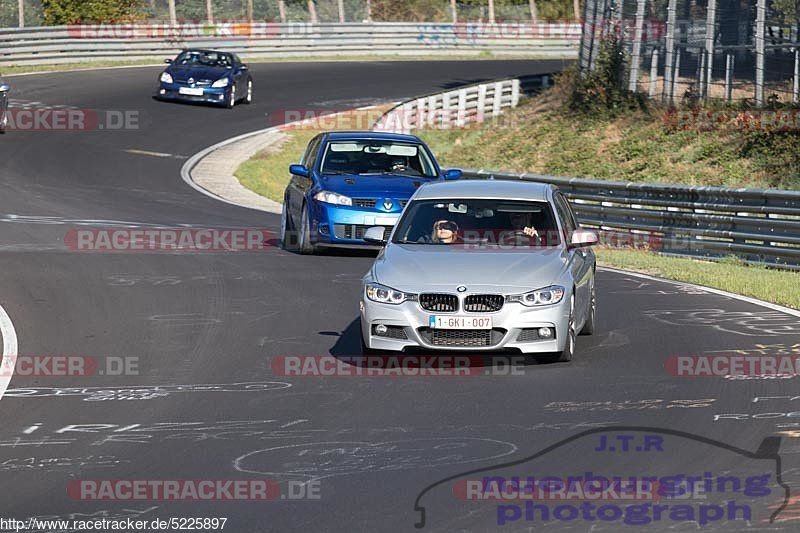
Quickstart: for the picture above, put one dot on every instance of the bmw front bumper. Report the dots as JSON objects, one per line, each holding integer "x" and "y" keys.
{"x": 514, "y": 327}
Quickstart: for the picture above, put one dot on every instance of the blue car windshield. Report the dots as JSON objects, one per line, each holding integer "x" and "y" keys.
{"x": 478, "y": 222}
{"x": 377, "y": 158}
{"x": 204, "y": 59}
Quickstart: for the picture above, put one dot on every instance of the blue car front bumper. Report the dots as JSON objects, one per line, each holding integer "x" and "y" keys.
{"x": 337, "y": 225}
{"x": 209, "y": 95}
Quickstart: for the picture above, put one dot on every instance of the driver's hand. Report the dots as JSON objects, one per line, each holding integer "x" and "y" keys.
{"x": 530, "y": 232}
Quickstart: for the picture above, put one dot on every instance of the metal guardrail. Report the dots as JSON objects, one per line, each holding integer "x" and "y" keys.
{"x": 757, "y": 225}
{"x": 472, "y": 104}
{"x": 61, "y": 44}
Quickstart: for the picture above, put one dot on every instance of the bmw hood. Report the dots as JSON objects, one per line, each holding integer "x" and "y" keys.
{"x": 361, "y": 186}
{"x": 181, "y": 74}
{"x": 418, "y": 268}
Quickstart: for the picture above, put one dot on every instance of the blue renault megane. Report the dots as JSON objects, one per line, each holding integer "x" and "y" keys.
{"x": 347, "y": 182}
{"x": 207, "y": 76}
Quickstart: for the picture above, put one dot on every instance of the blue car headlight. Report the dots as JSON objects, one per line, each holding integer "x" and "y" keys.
{"x": 547, "y": 296}
{"x": 222, "y": 82}
{"x": 386, "y": 295}
{"x": 333, "y": 198}
{"x": 166, "y": 77}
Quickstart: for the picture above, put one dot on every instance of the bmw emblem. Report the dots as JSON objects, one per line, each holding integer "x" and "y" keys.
{"x": 461, "y": 288}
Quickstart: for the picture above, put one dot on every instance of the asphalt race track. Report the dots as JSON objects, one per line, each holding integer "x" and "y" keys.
{"x": 369, "y": 446}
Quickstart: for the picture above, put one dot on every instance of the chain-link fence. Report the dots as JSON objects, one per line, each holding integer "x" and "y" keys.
{"x": 16, "y": 13}
{"x": 689, "y": 51}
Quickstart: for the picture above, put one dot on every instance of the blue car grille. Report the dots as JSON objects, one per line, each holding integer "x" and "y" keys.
{"x": 364, "y": 202}
{"x": 355, "y": 231}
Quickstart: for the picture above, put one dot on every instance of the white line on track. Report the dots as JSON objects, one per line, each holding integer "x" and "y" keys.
{"x": 10, "y": 347}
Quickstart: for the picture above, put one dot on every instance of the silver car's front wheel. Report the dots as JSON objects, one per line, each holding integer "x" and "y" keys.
{"x": 566, "y": 354}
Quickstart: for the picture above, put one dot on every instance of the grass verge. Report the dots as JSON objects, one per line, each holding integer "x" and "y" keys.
{"x": 776, "y": 286}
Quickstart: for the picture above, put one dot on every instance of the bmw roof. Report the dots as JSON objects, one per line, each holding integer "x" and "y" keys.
{"x": 477, "y": 189}
{"x": 370, "y": 135}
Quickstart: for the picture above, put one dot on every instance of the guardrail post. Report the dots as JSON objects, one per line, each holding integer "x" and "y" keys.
{"x": 514, "y": 93}
{"x": 433, "y": 116}
{"x": 21, "y": 13}
{"x": 209, "y": 12}
{"x": 369, "y": 11}
{"x": 454, "y": 11}
{"x": 249, "y": 10}
{"x": 341, "y": 11}
{"x": 481, "y": 103}
{"x": 312, "y": 11}
{"x": 497, "y": 99}
{"x": 462, "y": 108}
{"x": 173, "y": 17}
{"x": 491, "y": 12}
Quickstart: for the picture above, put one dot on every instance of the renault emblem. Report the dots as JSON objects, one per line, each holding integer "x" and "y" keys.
{"x": 387, "y": 204}
{"x": 461, "y": 288}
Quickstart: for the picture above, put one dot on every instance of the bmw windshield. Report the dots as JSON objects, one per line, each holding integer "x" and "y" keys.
{"x": 477, "y": 222}
{"x": 377, "y": 158}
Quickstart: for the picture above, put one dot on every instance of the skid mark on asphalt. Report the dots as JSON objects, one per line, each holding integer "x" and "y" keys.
{"x": 164, "y": 155}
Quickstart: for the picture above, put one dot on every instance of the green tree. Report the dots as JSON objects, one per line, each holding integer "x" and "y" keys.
{"x": 59, "y": 12}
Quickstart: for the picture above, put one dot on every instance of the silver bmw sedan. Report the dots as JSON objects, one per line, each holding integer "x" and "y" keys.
{"x": 481, "y": 265}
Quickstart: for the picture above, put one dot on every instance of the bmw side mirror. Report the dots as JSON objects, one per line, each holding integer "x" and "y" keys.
{"x": 453, "y": 174}
{"x": 299, "y": 170}
{"x": 167, "y": 61}
{"x": 375, "y": 235}
{"x": 582, "y": 237}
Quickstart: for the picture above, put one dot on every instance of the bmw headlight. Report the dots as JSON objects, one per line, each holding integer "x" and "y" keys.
{"x": 166, "y": 77}
{"x": 386, "y": 295}
{"x": 222, "y": 82}
{"x": 333, "y": 198}
{"x": 547, "y": 296}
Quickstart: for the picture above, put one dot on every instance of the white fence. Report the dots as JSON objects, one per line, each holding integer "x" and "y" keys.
{"x": 453, "y": 109}
{"x": 82, "y": 43}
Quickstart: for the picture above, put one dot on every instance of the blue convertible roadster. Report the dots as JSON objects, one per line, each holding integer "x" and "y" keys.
{"x": 349, "y": 181}
{"x": 206, "y": 76}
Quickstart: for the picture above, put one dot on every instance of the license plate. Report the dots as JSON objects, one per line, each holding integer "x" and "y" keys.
{"x": 385, "y": 221}
{"x": 460, "y": 322}
{"x": 191, "y": 91}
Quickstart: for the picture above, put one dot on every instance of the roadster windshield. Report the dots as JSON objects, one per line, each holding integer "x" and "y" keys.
{"x": 376, "y": 158}
{"x": 477, "y": 222}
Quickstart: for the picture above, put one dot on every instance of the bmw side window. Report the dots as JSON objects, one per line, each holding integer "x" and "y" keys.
{"x": 565, "y": 214}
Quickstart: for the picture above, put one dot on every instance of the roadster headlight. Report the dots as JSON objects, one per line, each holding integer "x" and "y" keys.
{"x": 333, "y": 198}
{"x": 386, "y": 295}
{"x": 222, "y": 82}
{"x": 166, "y": 77}
{"x": 546, "y": 296}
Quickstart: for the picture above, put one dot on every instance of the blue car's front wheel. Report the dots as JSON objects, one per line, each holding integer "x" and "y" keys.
{"x": 304, "y": 239}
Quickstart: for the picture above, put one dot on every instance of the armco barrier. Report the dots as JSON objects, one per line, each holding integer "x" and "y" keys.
{"x": 82, "y": 43}
{"x": 757, "y": 225}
